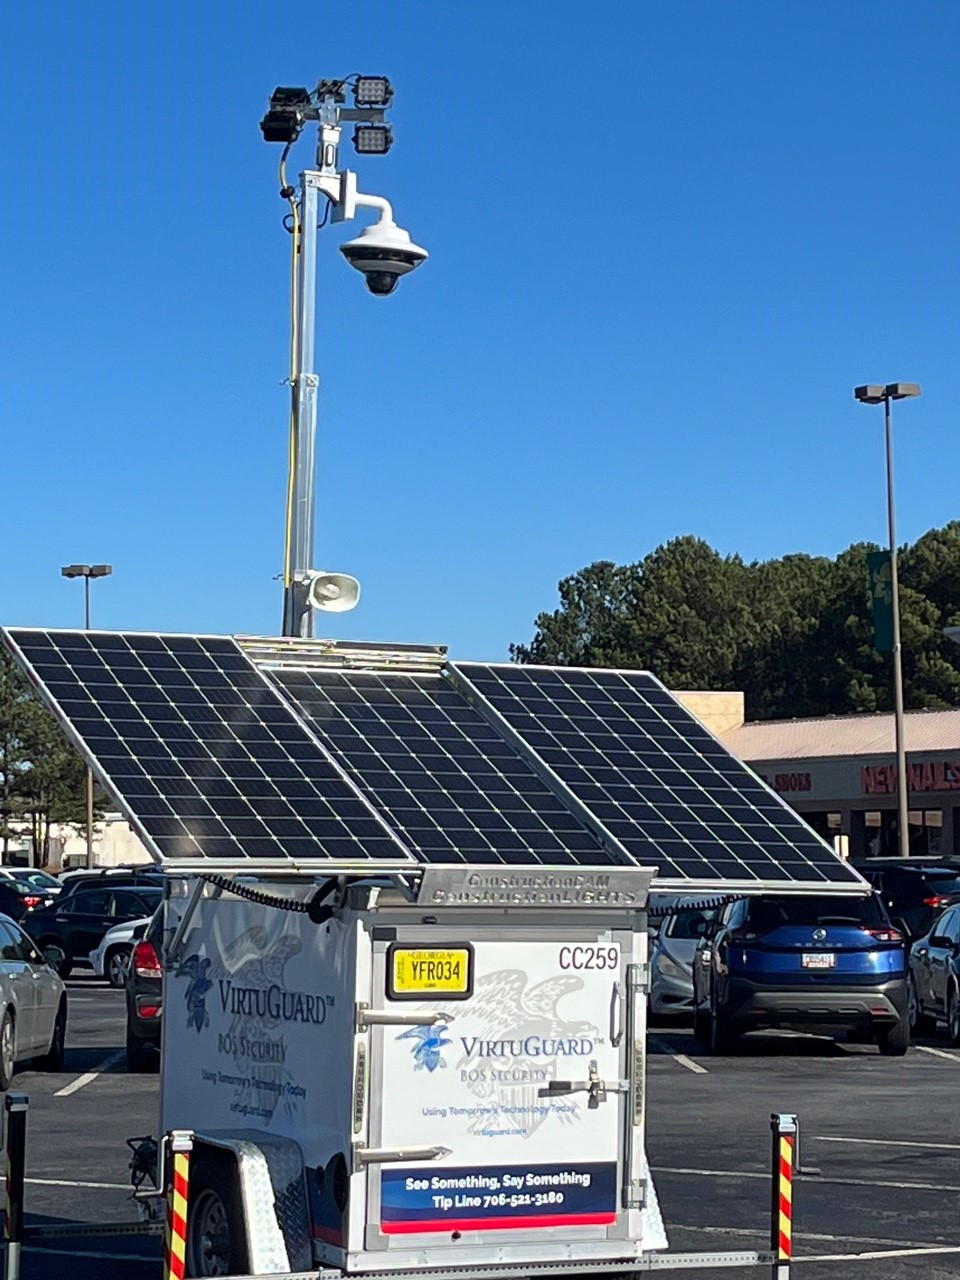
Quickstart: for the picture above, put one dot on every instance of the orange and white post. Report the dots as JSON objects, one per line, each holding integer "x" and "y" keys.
{"x": 784, "y": 1131}
{"x": 179, "y": 1147}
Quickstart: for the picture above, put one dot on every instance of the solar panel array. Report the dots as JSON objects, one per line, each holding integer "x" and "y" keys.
{"x": 654, "y": 776}
{"x": 440, "y": 773}
{"x": 221, "y": 760}
{"x": 199, "y": 751}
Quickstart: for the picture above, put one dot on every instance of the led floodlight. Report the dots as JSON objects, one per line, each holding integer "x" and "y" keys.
{"x": 373, "y": 139}
{"x": 372, "y": 91}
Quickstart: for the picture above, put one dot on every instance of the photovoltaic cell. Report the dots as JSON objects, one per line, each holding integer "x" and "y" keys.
{"x": 444, "y": 778}
{"x": 670, "y": 793}
{"x": 199, "y": 750}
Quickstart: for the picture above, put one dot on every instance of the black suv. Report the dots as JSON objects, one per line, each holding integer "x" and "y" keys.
{"x": 914, "y": 892}
{"x": 76, "y": 922}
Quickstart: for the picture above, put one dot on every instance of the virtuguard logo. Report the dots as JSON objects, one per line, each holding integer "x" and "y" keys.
{"x": 529, "y": 1047}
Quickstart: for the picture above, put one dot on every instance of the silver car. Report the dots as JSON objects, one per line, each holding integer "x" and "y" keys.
{"x": 671, "y": 960}
{"x": 33, "y": 1003}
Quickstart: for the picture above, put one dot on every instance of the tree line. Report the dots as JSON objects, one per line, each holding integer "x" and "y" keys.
{"x": 42, "y": 778}
{"x": 795, "y": 634}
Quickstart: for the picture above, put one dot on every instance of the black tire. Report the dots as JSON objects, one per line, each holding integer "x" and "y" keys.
{"x": 8, "y": 1050}
{"x": 921, "y": 1024}
{"x": 52, "y": 1060}
{"x": 216, "y": 1240}
{"x": 894, "y": 1041}
{"x": 701, "y": 1026}
{"x": 141, "y": 1057}
{"x": 116, "y": 966}
{"x": 953, "y": 1015}
{"x": 724, "y": 1036}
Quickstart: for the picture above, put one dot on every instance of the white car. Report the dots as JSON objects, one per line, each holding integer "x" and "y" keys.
{"x": 111, "y": 960}
{"x": 671, "y": 960}
{"x": 33, "y": 1003}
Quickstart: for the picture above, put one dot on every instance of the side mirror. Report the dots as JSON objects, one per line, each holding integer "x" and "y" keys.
{"x": 54, "y": 957}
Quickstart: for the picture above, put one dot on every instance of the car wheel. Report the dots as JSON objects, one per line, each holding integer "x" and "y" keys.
{"x": 140, "y": 1055}
{"x": 953, "y": 1016}
{"x": 117, "y": 966}
{"x": 724, "y": 1037}
{"x": 216, "y": 1242}
{"x": 894, "y": 1041}
{"x": 920, "y": 1023}
{"x": 8, "y": 1050}
{"x": 52, "y": 1060}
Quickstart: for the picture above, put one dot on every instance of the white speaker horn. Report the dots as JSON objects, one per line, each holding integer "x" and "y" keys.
{"x": 333, "y": 592}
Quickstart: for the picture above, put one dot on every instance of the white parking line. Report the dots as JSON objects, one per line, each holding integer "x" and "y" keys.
{"x": 833, "y": 1182}
{"x": 681, "y": 1058}
{"x": 61, "y": 1182}
{"x": 938, "y": 1053}
{"x": 89, "y": 1076}
{"x": 887, "y": 1142}
{"x": 876, "y": 1254}
{"x": 808, "y": 1236}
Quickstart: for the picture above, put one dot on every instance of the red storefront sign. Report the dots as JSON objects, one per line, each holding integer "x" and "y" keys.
{"x": 932, "y": 775}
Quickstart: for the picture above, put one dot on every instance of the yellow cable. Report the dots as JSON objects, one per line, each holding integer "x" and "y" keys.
{"x": 294, "y": 343}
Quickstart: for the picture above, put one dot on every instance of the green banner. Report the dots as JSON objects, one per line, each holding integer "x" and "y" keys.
{"x": 881, "y": 593}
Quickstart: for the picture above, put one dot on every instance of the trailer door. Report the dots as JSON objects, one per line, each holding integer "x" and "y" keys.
{"x": 508, "y": 1085}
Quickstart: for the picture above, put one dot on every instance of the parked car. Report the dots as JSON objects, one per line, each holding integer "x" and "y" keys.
{"x": 76, "y": 922}
{"x": 33, "y": 1003}
{"x": 18, "y": 899}
{"x": 34, "y": 877}
{"x": 934, "y": 979}
{"x": 111, "y": 960}
{"x": 671, "y": 960}
{"x": 804, "y": 963}
{"x": 914, "y": 893}
{"x": 73, "y": 881}
{"x": 145, "y": 999}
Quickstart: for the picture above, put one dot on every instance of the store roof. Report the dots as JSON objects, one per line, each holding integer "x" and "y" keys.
{"x": 831, "y": 736}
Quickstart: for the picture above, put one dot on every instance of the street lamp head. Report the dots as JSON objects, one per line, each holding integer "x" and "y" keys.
{"x": 101, "y": 570}
{"x": 75, "y": 570}
{"x": 902, "y": 390}
{"x": 872, "y": 394}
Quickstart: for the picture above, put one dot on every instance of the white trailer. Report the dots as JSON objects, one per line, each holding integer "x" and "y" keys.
{"x": 444, "y": 1073}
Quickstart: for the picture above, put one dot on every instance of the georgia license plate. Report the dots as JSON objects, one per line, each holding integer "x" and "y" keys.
{"x": 818, "y": 960}
{"x": 426, "y": 971}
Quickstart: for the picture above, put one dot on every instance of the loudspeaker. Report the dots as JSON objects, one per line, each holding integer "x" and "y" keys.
{"x": 333, "y": 592}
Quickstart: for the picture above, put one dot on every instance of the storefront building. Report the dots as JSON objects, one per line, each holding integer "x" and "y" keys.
{"x": 840, "y": 773}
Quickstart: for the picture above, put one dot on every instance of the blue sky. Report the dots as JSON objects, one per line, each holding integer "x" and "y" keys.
{"x": 666, "y": 242}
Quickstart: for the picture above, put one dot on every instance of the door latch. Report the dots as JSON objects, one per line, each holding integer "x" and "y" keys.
{"x": 367, "y": 1017}
{"x": 595, "y": 1088}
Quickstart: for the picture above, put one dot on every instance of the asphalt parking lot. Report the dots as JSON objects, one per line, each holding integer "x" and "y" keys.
{"x": 884, "y": 1134}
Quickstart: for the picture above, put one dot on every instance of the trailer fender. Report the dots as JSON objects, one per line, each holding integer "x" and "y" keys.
{"x": 273, "y": 1197}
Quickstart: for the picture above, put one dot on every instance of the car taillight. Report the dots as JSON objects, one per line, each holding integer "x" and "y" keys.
{"x": 885, "y": 935}
{"x": 937, "y": 901}
{"x": 31, "y": 900}
{"x": 146, "y": 962}
{"x": 148, "y": 1010}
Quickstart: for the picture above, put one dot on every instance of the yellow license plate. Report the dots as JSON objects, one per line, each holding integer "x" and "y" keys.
{"x": 429, "y": 971}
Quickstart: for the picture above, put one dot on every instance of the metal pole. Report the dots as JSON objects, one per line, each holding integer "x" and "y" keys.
{"x": 903, "y": 781}
{"x": 783, "y": 1129}
{"x": 86, "y": 626}
{"x": 15, "y": 1108}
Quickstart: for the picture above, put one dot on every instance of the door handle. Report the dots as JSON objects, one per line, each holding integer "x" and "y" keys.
{"x": 616, "y": 1015}
{"x": 595, "y": 1087}
{"x": 367, "y": 1017}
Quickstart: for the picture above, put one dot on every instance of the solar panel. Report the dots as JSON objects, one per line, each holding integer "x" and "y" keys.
{"x": 200, "y": 752}
{"x": 665, "y": 788}
{"x": 442, "y": 775}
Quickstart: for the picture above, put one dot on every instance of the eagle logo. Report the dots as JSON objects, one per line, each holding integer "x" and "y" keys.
{"x": 428, "y": 1043}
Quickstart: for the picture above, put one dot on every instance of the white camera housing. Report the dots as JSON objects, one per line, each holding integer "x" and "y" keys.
{"x": 383, "y": 253}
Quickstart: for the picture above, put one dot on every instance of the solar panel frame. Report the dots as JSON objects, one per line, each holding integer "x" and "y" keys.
{"x": 331, "y": 827}
{"x": 455, "y": 790}
{"x": 552, "y": 717}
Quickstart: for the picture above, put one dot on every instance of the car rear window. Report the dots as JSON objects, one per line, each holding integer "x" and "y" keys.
{"x": 764, "y": 914}
{"x": 945, "y": 882}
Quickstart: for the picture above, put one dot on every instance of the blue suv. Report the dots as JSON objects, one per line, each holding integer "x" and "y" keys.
{"x": 802, "y": 963}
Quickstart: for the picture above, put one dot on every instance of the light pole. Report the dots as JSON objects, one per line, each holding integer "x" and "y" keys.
{"x": 86, "y": 572}
{"x": 875, "y": 394}
{"x": 383, "y": 253}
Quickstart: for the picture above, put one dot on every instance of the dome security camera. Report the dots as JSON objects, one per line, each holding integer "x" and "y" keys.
{"x": 383, "y": 253}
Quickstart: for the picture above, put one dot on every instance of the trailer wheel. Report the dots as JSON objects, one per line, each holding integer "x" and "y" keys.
{"x": 216, "y": 1242}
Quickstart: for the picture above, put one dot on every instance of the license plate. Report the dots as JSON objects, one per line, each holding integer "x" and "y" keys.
{"x": 415, "y": 972}
{"x": 818, "y": 960}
